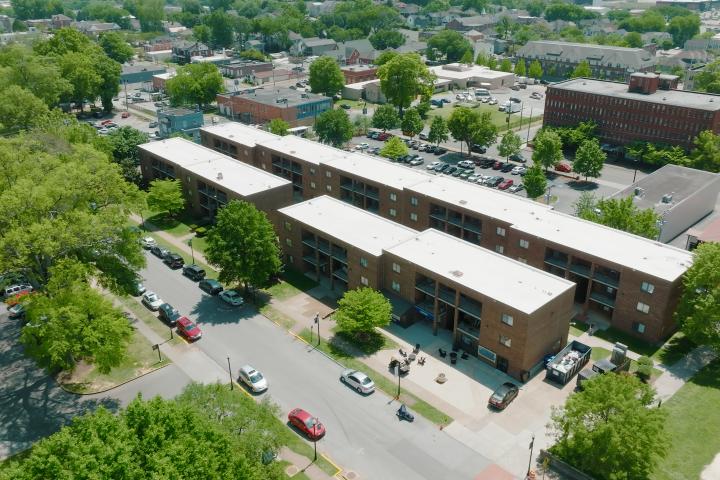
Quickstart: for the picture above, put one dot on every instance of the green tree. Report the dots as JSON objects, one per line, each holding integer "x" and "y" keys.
{"x": 411, "y": 123}
{"x": 385, "y": 57}
{"x": 708, "y": 79}
{"x": 633, "y": 40}
{"x": 619, "y": 213}
{"x": 503, "y": 27}
{"x": 535, "y": 181}
{"x": 535, "y": 70}
{"x": 609, "y": 429}
{"x": 394, "y": 149}
{"x": 123, "y": 143}
{"x": 582, "y": 70}
{"x": 705, "y": 155}
{"x": 439, "y": 131}
{"x": 450, "y": 44}
{"x": 386, "y": 38}
{"x": 698, "y": 312}
{"x": 360, "y": 311}
{"x": 520, "y": 69}
{"x": 361, "y": 125}
{"x": 481, "y": 59}
{"x": 78, "y": 69}
{"x": 326, "y": 77}
{"x": 278, "y": 126}
{"x": 222, "y": 29}
{"x": 36, "y": 73}
{"x": 116, "y": 47}
{"x": 196, "y": 83}
{"x": 509, "y": 145}
{"x": 471, "y": 127}
{"x": 684, "y": 28}
{"x": 491, "y": 62}
{"x": 109, "y": 71}
{"x": 252, "y": 55}
{"x": 403, "y": 78}
{"x": 20, "y": 109}
{"x": 151, "y": 13}
{"x": 547, "y": 149}
{"x": 241, "y": 228}
{"x": 505, "y": 65}
{"x": 467, "y": 58}
{"x": 385, "y": 118}
{"x": 589, "y": 159}
{"x": 334, "y": 127}
{"x": 166, "y": 196}
{"x": 202, "y": 33}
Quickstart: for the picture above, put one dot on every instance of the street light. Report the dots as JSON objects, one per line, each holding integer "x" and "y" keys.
{"x": 532, "y": 444}
{"x": 547, "y": 194}
{"x": 192, "y": 251}
{"x": 317, "y": 322}
{"x": 527, "y": 140}
{"x": 230, "y": 372}
{"x": 635, "y": 161}
{"x": 398, "y": 375}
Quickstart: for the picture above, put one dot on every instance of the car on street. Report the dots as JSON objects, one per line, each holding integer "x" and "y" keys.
{"x": 147, "y": 242}
{"x": 516, "y": 157}
{"x": 519, "y": 170}
{"x": 536, "y": 95}
{"x": 494, "y": 181}
{"x": 505, "y": 184}
{"x": 516, "y": 188}
{"x": 211, "y": 286}
{"x": 507, "y": 167}
{"x": 152, "y": 301}
{"x": 503, "y": 395}
{"x": 563, "y": 167}
{"x": 357, "y": 380}
{"x": 159, "y": 251}
{"x": 188, "y": 329}
{"x": 254, "y": 380}
{"x": 416, "y": 161}
{"x": 193, "y": 272}
{"x": 17, "y": 289}
{"x": 306, "y": 423}
{"x": 432, "y": 165}
{"x": 16, "y": 311}
{"x": 168, "y": 314}
{"x": 232, "y": 298}
{"x": 138, "y": 288}
{"x": 345, "y": 106}
{"x": 174, "y": 261}
{"x": 440, "y": 151}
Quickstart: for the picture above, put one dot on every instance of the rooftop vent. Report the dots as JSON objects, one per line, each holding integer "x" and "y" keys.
{"x": 667, "y": 198}
{"x": 463, "y": 202}
{"x": 456, "y": 273}
{"x": 219, "y": 176}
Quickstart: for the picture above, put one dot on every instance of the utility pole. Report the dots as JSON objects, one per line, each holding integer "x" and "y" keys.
{"x": 230, "y": 372}
{"x": 529, "y": 122}
{"x": 532, "y": 444}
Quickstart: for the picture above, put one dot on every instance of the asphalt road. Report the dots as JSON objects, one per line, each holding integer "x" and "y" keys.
{"x": 363, "y": 433}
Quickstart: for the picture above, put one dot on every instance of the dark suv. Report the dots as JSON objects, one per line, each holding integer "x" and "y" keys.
{"x": 193, "y": 272}
{"x": 210, "y": 286}
{"x": 173, "y": 260}
{"x": 168, "y": 314}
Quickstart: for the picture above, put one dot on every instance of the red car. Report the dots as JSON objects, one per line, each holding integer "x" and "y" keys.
{"x": 383, "y": 136}
{"x": 497, "y": 165}
{"x": 309, "y": 425}
{"x": 505, "y": 185}
{"x": 188, "y": 329}
{"x": 15, "y": 299}
{"x": 125, "y": 114}
{"x": 106, "y": 122}
{"x": 563, "y": 167}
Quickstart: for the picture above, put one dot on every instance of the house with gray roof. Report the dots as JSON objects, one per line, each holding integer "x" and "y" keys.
{"x": 313, "y": 46}
{"x": 559, "y": 59}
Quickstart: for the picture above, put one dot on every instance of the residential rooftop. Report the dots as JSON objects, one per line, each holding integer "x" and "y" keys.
{"x": 349, "y": 224}
{"x": 676, "y": 98}
{"x": 278, "y": 96}
{"x": 240, "y": 133}
{"x": 378, "y": 170}
{"x": 458, "y": 71}
{"x": 503, "y": 279}
{"x": 304, "y": 149}
{"x": 237, "y": 177}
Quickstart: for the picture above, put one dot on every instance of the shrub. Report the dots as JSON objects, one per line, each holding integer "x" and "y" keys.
{"x": 644, "y": 370}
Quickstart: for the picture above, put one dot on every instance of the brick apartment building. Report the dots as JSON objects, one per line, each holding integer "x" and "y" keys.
{"x": 507, "y": 313}
{"x": 631, "y": 282}
{"x": 648, "y": 109}
{"x": 359, "y": 73}
{"x": 264, "y": 104}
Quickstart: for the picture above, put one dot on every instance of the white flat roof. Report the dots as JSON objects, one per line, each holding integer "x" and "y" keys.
{"x": 631, "y": 251}
{"x": 304, "y": 149}
{"x": 237, "y": 132}
{"x": 237, "y": 177}
{"x": 508, "y": 281}
{"x": 377, "y": 170}
{"x": 369, "y": 232}
{"x": 475, "y": 71}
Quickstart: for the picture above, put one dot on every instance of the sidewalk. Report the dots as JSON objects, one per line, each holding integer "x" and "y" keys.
{"x": 675, "y": 376}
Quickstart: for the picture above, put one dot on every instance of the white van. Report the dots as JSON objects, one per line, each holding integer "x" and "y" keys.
{"x": 482, "y": 92}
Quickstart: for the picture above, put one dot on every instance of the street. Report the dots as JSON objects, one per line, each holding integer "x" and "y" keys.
{"x": 363, "y": 433}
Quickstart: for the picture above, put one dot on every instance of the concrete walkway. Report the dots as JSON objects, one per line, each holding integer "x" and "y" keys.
{"x": 675, "y": 376}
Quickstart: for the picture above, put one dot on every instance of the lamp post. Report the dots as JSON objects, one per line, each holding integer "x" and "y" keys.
{"x": 230, "y": 373}
{"x": 317, "y": 322}
{"x": 532, "y": 444}
{"x": 398, "y": 375}
{"x": 635, "y": 162}
{"x": 192, "y": 251}
{"x": 547, "y": 194}
{"x": 315, "y": 439}
{"x": 527, "y": 140}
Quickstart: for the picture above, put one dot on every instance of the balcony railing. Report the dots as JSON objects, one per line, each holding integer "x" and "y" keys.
{"x": 606, "y": 279}
{"x": 324, "y": 247}
{"x": 578, "y": 269}
{"x": 468, "y": 329}
{"x": 341, "y": 274}
{"x": 427, "y": 287}
{"x": 339, "y": 254}
{"x": 557, "y": 262}
{"x": 310, "y": 242}
{"x": 447, "y": 295}
{"x": 602, "y": 299}
{"x": 470, "y": 308}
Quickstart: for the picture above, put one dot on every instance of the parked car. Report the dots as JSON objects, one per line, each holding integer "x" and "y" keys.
{"x": 505, "y": 184}
{"x": 466, "y": 173}
{"x": 193, "y": 272}
{"x": 536, "y": 95}
{"x": 159, "y": 251}
{"x": 152, "y": 125}
{"x": 423, "y": 136}
{"x": 478, "y": 148}
{"x": 563, "y": 167}
{"x": 507, "y": 167}
{"x": 125, "y": 114}
{"x": 442, "y": 167}
{"x": 306, "y": 423}
{"x": 211, "y": 286}
{"x": 232, "y": 297}
{"x": 515, "y": 87}
{"x": 253, "y": 379}
{"x": 515, "y": 99}
{"x": 498, "y": 165}
{"x": 174, "y": 261}
{"x": 474, "y": 178}
{"x": 431, "y": 148}
{"x": 494, "y": 181}
{"x": 466, "y": 164}
{"x": 16, "y": 311}
{"x": 436, "y": 103}
{"x": 519, "y": 170}
{"x": 17, "y": 289}
{"x": 138, "y": 288}
{"x": 416, "y": 161}
{"x": 168, "y": 314}
{"x": 503, "y": 395}
{"x": 517, "y": 157}
{"x": 372, "y": 135}
{"x": 501, "y": 108}
{"x": 357, "y": 380}
{"x": 382, "y": 136}
{"x": 345, "y": 106}
{"x": 147, "y": 242}
{"x": 152, "y": 301}
{"x": 188, "y": 329}
{"x": 492, "y": 101}
{"x": 516, "y": 188}
{"x": 450, "y": 170}
{"x": 432, "y": 165}
{"x": 440, "y": 151}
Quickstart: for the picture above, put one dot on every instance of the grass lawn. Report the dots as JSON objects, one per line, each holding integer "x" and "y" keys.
{"x": 383, "y": 383}
{"x": 578, "y": 328}
{"x": 498, "y": 118}
{"x": 693, "y": 425}
{"x": 292, "y": 283}
{"x": 674, "y": 349}
{"x": 141, "y": 358}
{"x": 177, "y": 227}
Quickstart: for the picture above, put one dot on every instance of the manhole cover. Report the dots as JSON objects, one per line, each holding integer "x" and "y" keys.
{"x": 291, "y": 470}
{"x": 351, "y": 476}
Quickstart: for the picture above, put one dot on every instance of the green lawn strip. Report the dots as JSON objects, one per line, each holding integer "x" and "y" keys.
{"x": 298, "y": 476}
{"x": 277, "y": 316}
{"x": 149, "y": 319}
{"x": 497, "y": 117}
{"x": 383, "y": 383}
{"x": 598, "y": 353}
{"x": 178, "y": 226}
{"x": 677, "y": 347}
{"x": 293, "y": 282}
{"x": 140, "y": 359}
{"x": 693, "y": 425}
{"x": 578, "y": 328}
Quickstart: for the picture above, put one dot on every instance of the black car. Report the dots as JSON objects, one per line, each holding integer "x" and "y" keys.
{"x": 159, "y": 251}
{"x": 440, "y": 150}
{"x": 168, "y": 314}
{"x": 450, "y": 170}
{"x": 210, "y": 286}
{"x": 193, "y": 272}
{"x": 442, "y": 167}
{"x": 516, "y": 157}
{"x": 431, "y": 148}
{"x": 478, "y": 148}
{"x": 494, "y": 181}
{"x": 173, "y": 260}
{"x": 507, "y": 167}
{"x": 503, "y": 395}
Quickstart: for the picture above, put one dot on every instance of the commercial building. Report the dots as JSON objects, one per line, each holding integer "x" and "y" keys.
{"x": 244, "y": 68}
{"x": 263, "y": 105}
{"x": 359, "y": 73}
{"x": 559, "y": 59}
{"x": 139, "y": 72}
{"x": 648, "y": 109}
{"x": 627, "y": 281}
{"x": 370, "y": 90}
{"x": 464, "y": 76}
{"x": 183, "y": 51}
{"x": 210, "y": 180}
{"x": 681, "y": 196}
{"x": 504, "y": 312}
{"x": 180, "y": 120}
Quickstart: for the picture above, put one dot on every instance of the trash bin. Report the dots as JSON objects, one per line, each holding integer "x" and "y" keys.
{"x": 453, "y": 357}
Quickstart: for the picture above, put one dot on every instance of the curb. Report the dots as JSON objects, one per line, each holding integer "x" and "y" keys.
{"x": 62, "y": 385}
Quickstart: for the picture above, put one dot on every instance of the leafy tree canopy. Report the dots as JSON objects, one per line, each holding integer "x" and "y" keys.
{"x": 589, "y": 159}
{"x": 472, "y": 127}
{"x": 394, "y": 149}
{"x": 166, "y": 196}
{"x": 361, "y": 310}
{"x": 116, "y": 47}
{"x": 334, "y": 127}
{"x": 547, "y": 149}
{"x": 195, "y": 84}
{"x": 450, "y": 44}
{"x": 326, "y": 77}
{"x": 438, "y": 131}
{"x": 509, "y": 144}
{"x": 278, "y": 126}
{"x": 582, "y": 70}
{"x": 386, "y": 38}
{"x": 619, "y": 213}
{"x": 411, "y": 123}
{"x": 385, "y": 117}
{"x": 535, "y": 181}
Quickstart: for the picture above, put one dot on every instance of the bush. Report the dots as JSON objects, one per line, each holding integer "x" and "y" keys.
{"x": 644, "y": 369}
{"x": 200, "y": 232}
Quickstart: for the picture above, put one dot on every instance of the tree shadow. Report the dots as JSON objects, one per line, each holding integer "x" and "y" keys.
{"x": 583, "y": 185}
{"x": 211, "y": 310}
{"x": 675, "y": 349}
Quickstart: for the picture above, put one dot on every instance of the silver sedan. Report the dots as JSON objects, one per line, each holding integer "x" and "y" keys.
{"x": 357, "y": 380}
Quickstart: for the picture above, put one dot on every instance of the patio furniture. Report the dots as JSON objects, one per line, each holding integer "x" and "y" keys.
{"x": 442, "y": 352}
{"x": 421, "y": 361}
{"x": 453, "y": 357}
{"x": 412, "y": 357}
{"x": 464, "y": 355}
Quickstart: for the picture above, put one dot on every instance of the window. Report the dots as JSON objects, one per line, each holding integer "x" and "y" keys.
{"x": 505, "y": 341}
{"x": 393, "y": 212}
{"x": 288, "y": 226}
{"x": 328, "y": 174}
{"x": 396, "y": 286}
{"x": 363, "y": 261}
{"x": 393, "y": 197}
{"x": 638, "y": 327}
{"x": 413, "y": 217}
{"x": 328, "y": 188}
{"x": 524, "y": 243}
{"x": 522, "y": 260}
{"x": 396, "y": 267}
{"x": 643, "y": 307}
{"x": 413, "y": 201}
{"x": 507, "y": 319}
{"x": 312, "y": 171}
{"x": 499, "y": 249}
{"x": 647, "y": 287}
{"x": 500, "y": 231}
{"x": 364, "y": 281}
{"x": 288, "y": 242}
{"x": 312, "y": 185}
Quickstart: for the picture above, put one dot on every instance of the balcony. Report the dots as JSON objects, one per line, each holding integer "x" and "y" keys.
{"x": 313, "y": 261}
{"x": 341, "y": 274}
{"x": 455, "y": 220}
{"x": 447, "y": 295}
{"x": 602, "y": 299}
{"x": 580, "y": 269}
{"x": 310, "y": 242}
{"x": 427, "y": 287}
{"x": 339, "y": 254}
{"x": 560, "y": 262}
{"x": 475, "y": 227}
{"x": 470, "y": 308}
{"x": 610, "y": 281}
{"x": 470, "y": 329}
{"x": 372, "y": 193}
{"x": 324, "y": 247}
